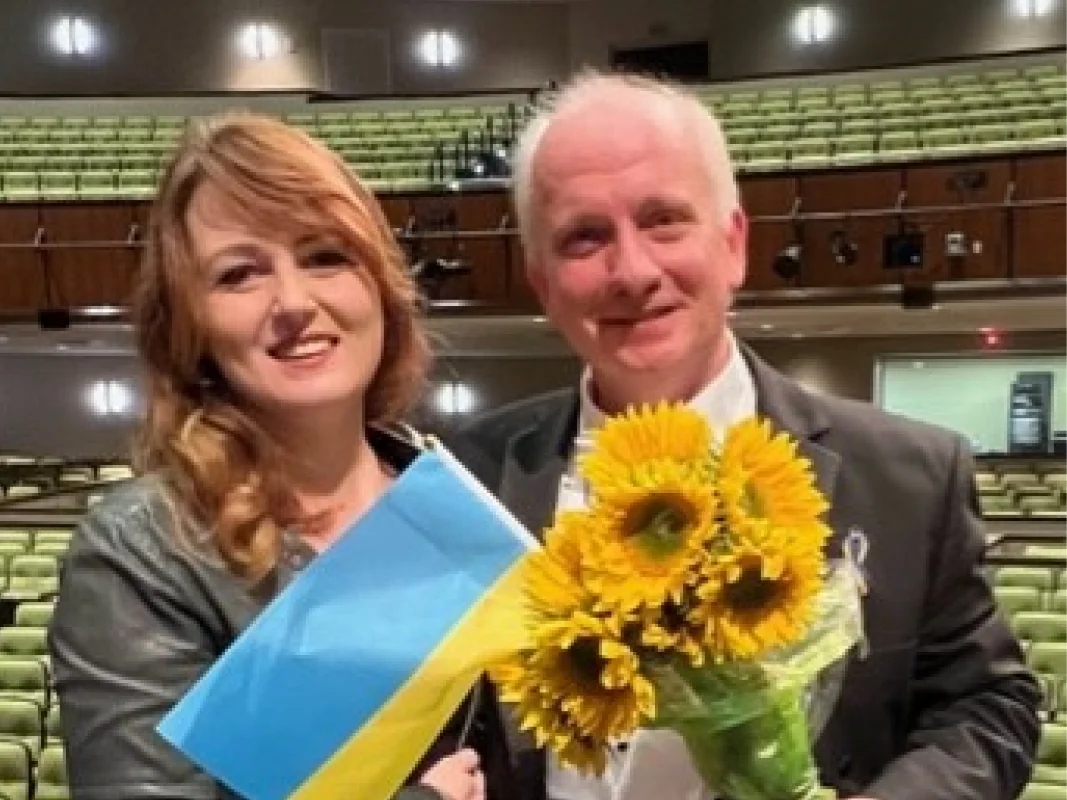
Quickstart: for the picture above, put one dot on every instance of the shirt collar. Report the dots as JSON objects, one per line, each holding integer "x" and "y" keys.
{"x": 727, "y": 399}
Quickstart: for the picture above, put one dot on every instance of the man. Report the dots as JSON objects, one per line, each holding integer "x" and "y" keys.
{"x": 635, "y": 243}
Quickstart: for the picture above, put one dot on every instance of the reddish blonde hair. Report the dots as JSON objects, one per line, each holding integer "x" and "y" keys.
{"x": 222, "y": 468}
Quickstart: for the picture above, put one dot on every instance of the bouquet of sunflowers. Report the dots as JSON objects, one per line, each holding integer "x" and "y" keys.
{"x": 693, "y": 594}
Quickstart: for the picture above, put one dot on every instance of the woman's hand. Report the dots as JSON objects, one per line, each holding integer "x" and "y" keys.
{"x": 457, "y": 777}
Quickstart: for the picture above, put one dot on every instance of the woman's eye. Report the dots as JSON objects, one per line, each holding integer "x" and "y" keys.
{"x": 234, "y": 275}
{"x": 327, "y": 257}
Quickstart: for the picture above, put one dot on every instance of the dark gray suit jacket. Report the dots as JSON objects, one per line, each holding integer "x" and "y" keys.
{"x": 943, "y": 708}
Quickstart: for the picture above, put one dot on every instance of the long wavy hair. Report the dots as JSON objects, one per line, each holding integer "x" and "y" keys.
{"x": 223, "y": 471}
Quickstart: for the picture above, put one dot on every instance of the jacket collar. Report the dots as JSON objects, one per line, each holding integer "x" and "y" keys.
{"x": 537, "y": 456}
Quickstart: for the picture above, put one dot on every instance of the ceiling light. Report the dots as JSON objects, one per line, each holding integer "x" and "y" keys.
{"x": 439, "y": 49}
{"x": 1032, "y": 8}
{"x": 73, "y": 36}
{"x": 814, "y": 24}
{"x": 260, "y": 41}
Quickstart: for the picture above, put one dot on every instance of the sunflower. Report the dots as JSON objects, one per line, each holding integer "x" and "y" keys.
{"x": 645, "y": 544}
{"x": 629, "y": 448}
{"x": 675, "y": 627}
{"x": 553, "y": 575}
{"x": 760, "y": 596}
{"x": 761, "y": 476}
{"x": 579, "y": 688}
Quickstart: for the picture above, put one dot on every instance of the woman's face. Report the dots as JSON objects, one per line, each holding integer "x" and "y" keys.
{"x": 292, "y": 325}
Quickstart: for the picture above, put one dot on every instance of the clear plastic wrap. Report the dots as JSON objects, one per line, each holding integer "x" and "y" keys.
{"x": 749, "y": 726}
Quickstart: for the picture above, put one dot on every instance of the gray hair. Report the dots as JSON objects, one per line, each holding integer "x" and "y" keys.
{"x": 590, "y": 85}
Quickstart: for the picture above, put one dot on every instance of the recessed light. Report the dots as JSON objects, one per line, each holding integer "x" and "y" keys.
{"x": 540, "y": 319}
{"x": 766, "y": 326}
{"x": 796, "y": 335}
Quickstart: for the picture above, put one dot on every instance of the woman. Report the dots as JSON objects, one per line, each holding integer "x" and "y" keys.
{"x": 279, "y": 331}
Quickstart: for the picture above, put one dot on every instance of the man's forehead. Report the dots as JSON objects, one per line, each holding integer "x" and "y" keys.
{"x": 607, "y": 140}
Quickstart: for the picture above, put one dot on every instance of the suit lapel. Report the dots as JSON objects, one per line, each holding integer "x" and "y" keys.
{"x": 535, "y": 461}
{"x": 793, "y": 411}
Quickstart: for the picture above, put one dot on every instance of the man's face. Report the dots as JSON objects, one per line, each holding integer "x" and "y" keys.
{"x": 630, "y": 257}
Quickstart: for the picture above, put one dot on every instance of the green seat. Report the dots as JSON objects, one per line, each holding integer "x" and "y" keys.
{"x": 60, "y": 534}
{"x": 1032, "y": 504}
{"x": 858, "y": 125}
{"x": 993, "y": 136}
{"x": 943, "y": 140}
{"x": 52, "y": 775}
{"x": 1040, "y": 626}
{"x": 765, "y": 155}
{"x": 20, "y": 185}
{"x": 16, "y": 769}
{"x": 54, "y": 549}
{"x": 854, "y": 148}
{"x": 1043, "y": 71}
{"x": 1015, "y": 599}
{"x": 1048, "y": 658}
{"x": 1042, "y": 791}
{"x": 34, "y": 613}
{"x": 53, "y": 723}
{"x": 58, "y": 185}
{"x": 23, "y": 719}
{"x": 97, "y": 184}
{"x": 1039, "y": 578}
{"x": 1038, "y": 132}
{"x": 25, "y": 678}
{"x": 20, "y": 536}
{"x": 32, "y": 576}
{"x": 810, "y": 151}
{"x": 1051, "y": 766}
{"x": 898, "y": 144}
{"x": 24, "y": 641}
{"x": 1058, "y": 601}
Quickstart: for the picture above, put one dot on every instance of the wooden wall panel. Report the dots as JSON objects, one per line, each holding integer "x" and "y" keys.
{"x": 487, "y": 256}
{"x": 767, "y": 195}
{"x": 88, "y": 275}
{"x": 850, "y": 191}
{"x": 946, "y": 184}
{"x": 1040, "y": 242}
{"x": 21, "y": 277}
{"x": 1041, "y": 176}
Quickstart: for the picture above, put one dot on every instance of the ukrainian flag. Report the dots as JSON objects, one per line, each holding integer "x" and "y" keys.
{"x": 341, "y": 684}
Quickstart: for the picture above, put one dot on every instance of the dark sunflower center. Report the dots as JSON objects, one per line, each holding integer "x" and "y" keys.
{"x": 659, "y": 523}
{"x": 585, "y": 658}
{"x": 751, "y": 591}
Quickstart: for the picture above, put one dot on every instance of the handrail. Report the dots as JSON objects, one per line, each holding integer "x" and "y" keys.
{"x": 409, "y": 234}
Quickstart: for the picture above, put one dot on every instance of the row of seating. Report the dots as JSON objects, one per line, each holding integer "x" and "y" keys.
{"x": 842, "y": 123}
{"x": 32, "y": 762}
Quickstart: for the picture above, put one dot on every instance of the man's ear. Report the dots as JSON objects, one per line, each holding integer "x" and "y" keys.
{"x": 737, "y": 248}
{"x": 538, "y": 279}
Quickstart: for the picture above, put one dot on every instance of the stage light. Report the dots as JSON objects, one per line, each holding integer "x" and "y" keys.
{"x": 844, "y": 250}
{"x": 786, "y": 264}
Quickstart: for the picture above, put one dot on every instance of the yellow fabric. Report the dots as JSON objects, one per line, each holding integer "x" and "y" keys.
{"x": 379, "y": 756}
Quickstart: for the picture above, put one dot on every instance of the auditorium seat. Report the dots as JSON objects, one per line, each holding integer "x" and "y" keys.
{"x": 1051, "y": 766}
{"x": 34, "y": 613}
{"x": 32, "y": 576}
{"x": 1016, "y": 599}
{"x": 1040, "y": 626}
{"x": 1040, "y": 578}
{"x": 16, "y": 769}
{"x": 25, "y": 678}
{"x": 23, "y": 719}
{"x": 52, "y": 775}
{"x": 1048, "y": 658}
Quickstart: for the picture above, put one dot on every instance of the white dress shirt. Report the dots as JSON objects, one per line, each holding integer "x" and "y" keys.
{"x": 654, "y": 763}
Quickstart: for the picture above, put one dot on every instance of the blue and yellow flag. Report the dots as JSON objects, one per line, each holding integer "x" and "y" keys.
{"x": 341, "y": 684}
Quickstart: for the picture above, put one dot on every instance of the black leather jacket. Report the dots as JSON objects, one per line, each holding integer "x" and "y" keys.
{"x": 140, "y": 617}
